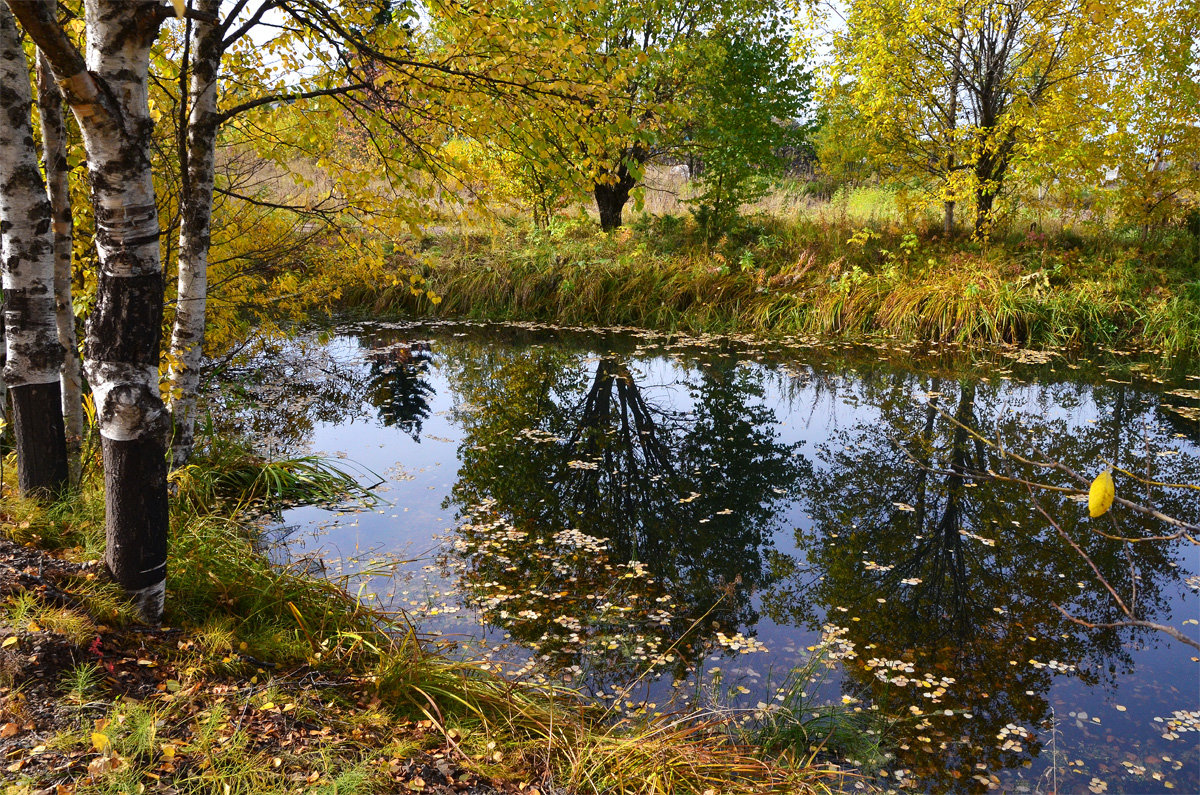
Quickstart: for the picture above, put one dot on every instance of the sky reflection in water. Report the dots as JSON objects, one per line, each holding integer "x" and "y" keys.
{"x": 587, "y": 507}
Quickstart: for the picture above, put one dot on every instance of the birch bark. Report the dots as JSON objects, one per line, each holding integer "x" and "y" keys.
{"x": 33, "y": 353}
{"x": 54, "y": 163}
{"x": 195, "y": 228}
{"x": 108, "y": 94}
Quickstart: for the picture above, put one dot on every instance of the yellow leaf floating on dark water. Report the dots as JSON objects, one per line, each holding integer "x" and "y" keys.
{"x": 1100, "y": 497}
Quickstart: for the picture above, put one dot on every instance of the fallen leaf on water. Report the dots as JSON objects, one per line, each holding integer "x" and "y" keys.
{"x": 1100, "y": 496}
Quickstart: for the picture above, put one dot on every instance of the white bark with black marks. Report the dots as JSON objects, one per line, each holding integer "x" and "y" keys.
{"x": 108, "y": 94}
{"x": 54, "y": 163}
{"x": 33, "y": 353}
{"x": 195, "y": 229}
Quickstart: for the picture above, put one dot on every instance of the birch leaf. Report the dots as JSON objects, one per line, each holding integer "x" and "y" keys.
{"x": 101, "y": 742}
{"x": 180, "y": 8}
{"x": 1100, "y": 497}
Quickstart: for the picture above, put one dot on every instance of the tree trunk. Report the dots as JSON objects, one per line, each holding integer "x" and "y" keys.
{"x": 109, "y": 95}
{"x": 54, "y": 162}
{"x": 984, "y": 199}
{"x": 33, "y": 354}
{"x": 195, "y": 231}
{"x": 611, "y": 198}
{"x": 952, "y": 125}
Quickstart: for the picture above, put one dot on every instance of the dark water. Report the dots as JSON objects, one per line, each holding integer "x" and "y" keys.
{"x": 676, "y": 525}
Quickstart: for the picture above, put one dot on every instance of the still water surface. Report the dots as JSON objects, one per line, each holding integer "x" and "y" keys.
{"x": 677, "y": 524}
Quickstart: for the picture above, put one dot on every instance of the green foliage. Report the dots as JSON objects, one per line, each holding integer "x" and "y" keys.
{"x": 751, "y": 95}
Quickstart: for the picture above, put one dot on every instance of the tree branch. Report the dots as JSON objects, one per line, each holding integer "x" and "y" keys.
{"x": 229, "y": 113}
{"x": 83, "y": 91}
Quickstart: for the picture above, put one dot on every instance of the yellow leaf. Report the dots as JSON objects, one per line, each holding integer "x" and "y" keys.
{"x": 8, "y": 641}
{"x": 180, "y": 7}
{"x": 1100, "y": 497}
{"x": 168, "y": 752}
{"x": 101, "y": 742}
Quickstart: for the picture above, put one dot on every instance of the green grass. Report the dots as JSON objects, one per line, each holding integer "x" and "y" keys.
{"x": 233, "y": 474}
{"x": 820, "y": 275}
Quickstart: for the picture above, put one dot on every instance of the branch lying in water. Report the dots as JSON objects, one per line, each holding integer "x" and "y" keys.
{"x": 1131, "y": 620}
{"x": 1186, "y": 529}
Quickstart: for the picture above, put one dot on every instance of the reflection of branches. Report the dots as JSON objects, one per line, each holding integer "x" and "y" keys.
{"x": 1186, "y": 529}
{"x": 631, "y": 405}
{"x": 1131, "y": 619}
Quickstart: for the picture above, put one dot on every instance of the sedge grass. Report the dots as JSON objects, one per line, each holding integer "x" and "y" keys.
{"x": 812, "y": 276}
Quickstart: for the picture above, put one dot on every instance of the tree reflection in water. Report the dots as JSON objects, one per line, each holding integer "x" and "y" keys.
{"x": 398, "y": 385}
{"x": 945, "y": 584}
{"x": 629, "y": 508}
{"x": 630, "y": 530}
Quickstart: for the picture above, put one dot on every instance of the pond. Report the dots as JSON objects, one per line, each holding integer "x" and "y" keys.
{"x": 766, "y": 530}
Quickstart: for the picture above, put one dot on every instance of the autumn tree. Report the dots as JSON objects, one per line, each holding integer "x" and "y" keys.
{"x": 33, "y": 353}
{"x": 377, "y": 98}
{"x": 652, "y": 63}
{"x": 107, "y": 91}
{"x": 967, "y": 94}
{"x": 1152, "y": 139}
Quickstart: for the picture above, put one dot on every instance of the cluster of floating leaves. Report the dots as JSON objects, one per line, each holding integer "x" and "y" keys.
{"x": 592, "y": 615}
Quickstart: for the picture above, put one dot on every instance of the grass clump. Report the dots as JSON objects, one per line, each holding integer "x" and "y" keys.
{"x": 232, "y": 473}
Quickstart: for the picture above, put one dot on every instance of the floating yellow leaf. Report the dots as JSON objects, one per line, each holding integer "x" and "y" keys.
{"x": 180, "y": 8}
{"x": 1100, "y": 497}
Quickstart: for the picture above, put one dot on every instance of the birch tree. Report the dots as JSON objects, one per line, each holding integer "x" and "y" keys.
{"x": 363, "y": 69}
{"x": 107, "y": 90}
{"x": 33, "y": 353}
{"x": 197, "y": 169}
{"x": 54, "y": 163}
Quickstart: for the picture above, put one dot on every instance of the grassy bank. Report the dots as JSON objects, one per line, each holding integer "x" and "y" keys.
{"x": 811, "y": 275}
{"x": 268, "y": 680}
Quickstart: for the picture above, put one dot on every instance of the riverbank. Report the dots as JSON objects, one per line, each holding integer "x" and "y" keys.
{"x": 267, "y": 680}
{"x": 773, "y": 276}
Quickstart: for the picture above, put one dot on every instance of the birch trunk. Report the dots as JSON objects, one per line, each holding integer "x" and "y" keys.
{"x": 54, "y": 163}
{"x": 195, "y": 230}
{"x": 31, "y": 339}
{"x": 108, "y": 93}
